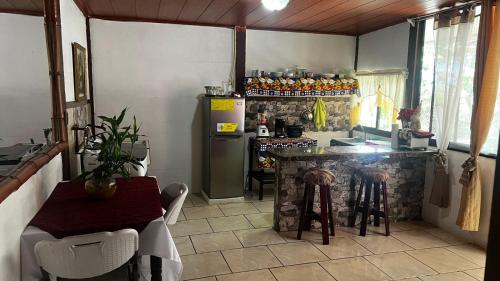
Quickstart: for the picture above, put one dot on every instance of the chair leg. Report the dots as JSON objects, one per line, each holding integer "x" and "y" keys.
{"x": 352, "y": 221}
{"x": 310, "y": 204}
{"x": 250, "y": 182}
{"x": 324, "y": 214}
{"x": 261, "y": 190}
{"x": 386, "y": 209}
{"x": 303, "y": 211}
{"x": 366, "y": 206}
{"x": 330, "y": 213}
{"x": 376, "y": 204}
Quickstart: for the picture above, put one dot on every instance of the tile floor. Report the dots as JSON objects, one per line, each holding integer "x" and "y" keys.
{"x": 235, "y": 242}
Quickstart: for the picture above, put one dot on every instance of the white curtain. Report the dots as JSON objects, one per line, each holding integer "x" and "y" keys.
{"x": 452, "y": 32}
{"x": 384, "y": 91}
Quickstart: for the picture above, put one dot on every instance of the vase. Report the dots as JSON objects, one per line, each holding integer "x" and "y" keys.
{"x": 103, "y": 190}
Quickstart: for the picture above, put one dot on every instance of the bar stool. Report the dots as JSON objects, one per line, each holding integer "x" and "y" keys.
{"x": 324, "y": 180}
{"x": 371, "y": 177}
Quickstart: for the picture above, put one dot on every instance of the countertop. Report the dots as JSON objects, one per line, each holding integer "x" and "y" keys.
{"x": 332, "y": 152}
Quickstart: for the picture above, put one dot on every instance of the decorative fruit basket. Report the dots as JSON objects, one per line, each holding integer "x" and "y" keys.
{"x": 300, "y": 87}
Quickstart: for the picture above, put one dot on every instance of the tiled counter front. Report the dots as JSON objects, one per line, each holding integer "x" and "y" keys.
{"x": 291, "y": 108}
{"x": 405, "y": 187}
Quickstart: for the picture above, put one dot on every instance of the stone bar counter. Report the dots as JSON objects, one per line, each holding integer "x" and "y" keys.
{"x": 405, "y": 186}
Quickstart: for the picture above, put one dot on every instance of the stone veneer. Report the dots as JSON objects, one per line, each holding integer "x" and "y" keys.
{"x": 291, "y": 108}
{"x": 405, "y": 188}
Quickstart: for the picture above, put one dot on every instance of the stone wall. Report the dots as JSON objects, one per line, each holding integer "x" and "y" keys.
{"x": 291, "y": 108}
{"x": 405, "y": 188}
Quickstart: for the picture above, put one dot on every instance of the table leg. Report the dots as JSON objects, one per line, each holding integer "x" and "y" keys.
{"x": 155, "y": 263}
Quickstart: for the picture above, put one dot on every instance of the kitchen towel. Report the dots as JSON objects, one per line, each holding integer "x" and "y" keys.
{"x": 319, "y": 111}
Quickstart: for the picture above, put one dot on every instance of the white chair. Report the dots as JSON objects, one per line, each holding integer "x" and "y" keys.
{"x": 172, "y": 198}
{"x": 88, "y": 256}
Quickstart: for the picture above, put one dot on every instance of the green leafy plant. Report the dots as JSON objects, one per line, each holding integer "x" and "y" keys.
{"x": 112, "y": 159}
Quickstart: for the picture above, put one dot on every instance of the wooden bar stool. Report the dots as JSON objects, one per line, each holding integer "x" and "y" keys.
{"x": 371, "y": 177}
{"x": 324, "y": 180}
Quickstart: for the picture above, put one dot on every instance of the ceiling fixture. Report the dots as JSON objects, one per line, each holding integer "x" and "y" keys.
{"x": 275, "y": 5}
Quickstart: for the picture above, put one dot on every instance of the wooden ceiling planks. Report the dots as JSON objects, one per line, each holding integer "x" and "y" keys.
{"x": 352, "y": 17}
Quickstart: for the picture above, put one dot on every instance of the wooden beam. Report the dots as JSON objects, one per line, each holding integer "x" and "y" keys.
{"x": 240, "y": 56}
{"x": 91, "y": 75}
{"x": 56, "y": 74}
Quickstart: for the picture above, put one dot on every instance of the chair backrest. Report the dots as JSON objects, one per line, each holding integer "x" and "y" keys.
{"x": 175, "y": 194}
{"x": 87, "y": 256}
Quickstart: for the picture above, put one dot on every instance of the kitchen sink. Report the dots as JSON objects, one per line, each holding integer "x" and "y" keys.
{"x": 356, "y": 142}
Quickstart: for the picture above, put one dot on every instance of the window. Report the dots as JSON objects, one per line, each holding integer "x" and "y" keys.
{"x": 461, "y": 132}
{"x": 381, "y": 98}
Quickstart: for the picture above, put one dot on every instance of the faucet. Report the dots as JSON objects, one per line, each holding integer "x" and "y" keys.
{"x": 359, "y": 126}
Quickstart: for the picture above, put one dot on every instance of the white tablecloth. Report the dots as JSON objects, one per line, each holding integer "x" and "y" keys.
{"x": 155, "y": 240}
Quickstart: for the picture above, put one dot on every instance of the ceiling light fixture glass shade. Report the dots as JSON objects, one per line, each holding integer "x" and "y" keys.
{"x": 275, "y": 5}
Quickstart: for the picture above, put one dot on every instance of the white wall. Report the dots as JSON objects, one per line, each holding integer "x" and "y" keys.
{"x": 17, "y": 211}
{"x": 158, "y": 71}
{"x": 25, "y": 107}
{"x": 385, "y": 48}
{"x": 446, "y": 218}
{"x": 274, "y": 50}
{"x": 73, "y": 29}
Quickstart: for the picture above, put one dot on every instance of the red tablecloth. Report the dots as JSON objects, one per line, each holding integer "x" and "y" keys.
{"x": 70, "y": 211}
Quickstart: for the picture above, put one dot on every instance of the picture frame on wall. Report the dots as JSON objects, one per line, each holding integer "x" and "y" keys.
{"x": 79, "y": 71}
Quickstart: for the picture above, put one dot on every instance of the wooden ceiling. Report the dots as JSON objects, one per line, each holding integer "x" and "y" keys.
{"x": 351, "y": 17}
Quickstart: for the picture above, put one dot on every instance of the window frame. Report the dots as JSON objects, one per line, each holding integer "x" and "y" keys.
{"x": 412, "y": 91}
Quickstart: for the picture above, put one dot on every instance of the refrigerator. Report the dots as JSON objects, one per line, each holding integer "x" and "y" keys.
{"x": 223, "y": 147}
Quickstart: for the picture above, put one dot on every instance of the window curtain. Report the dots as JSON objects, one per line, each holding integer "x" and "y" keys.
{"x": 451, "y": 32}
{"x": 488, "y": 68}
{"x": 381, "y": 92}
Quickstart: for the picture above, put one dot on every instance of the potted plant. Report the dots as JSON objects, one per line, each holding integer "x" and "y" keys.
{"x": 112, "y": 159}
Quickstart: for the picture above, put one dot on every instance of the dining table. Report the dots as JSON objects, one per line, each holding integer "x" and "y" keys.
{"x": 70, "y": 211}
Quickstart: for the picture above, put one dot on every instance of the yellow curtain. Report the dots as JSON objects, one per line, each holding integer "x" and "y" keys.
{"x": 470, "y": 204}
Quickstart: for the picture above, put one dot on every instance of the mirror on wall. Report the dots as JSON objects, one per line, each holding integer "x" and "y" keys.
{"x": 25, "y": 97}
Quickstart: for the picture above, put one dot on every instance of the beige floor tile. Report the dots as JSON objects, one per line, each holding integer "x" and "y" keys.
{"x": 229, "y": 223}
{"x": 187, "y": 203}
{"x": 215, "y": 242}
{"x": 202, "y": 212}
{"x": 419, "y": 239}
{"x": 354, "y": 269}
{"x": 264, "y": 206}
{"x": 205, "y": 279}
{"x": 379, "y": 244}
{"x": 311, "y": 271}
{"x": 352, "y": 231}
{"x": 233, "y": 209}
{"x": 184, "y": 245}
{"x": 400, "y": 265}
{"x": 411, "y": 279}
{"x": 470, "y": 252}
{"x": 393, "y": 227}
{"x": 258, "y": 237}
{"x": 260, "y": 275}
{"x": 190, "y": 227}
{"x": 478, "y": 274}
{"x": 181, "y": 216}
{"x": 442, "y": 260}
{"x": 445, "y": 236}
{"x": 415, "y": 225}
{"x": 341, "y": 247}
{"x": 197, "y": 200}
{"x": 454, "y": 276}
{"x": 296, "y": 253}
{"x": 261, "y": 220}
{"x": 203, "y": 265}
{"x": 291, "y": 236}
{"x": 250, "y": 259}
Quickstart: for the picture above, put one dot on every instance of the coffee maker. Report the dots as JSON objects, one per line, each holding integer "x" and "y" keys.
{"x": 279, "y": 128}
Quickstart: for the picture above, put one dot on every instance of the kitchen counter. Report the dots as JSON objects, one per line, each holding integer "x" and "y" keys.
{"x": 405, "y": 185}
{"x": 332, "y": 152}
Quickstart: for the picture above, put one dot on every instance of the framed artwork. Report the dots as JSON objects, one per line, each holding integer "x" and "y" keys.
{"x": 80, "y": 71}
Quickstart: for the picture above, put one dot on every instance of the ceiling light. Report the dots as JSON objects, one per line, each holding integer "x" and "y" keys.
{"x": 275, "y": 5}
